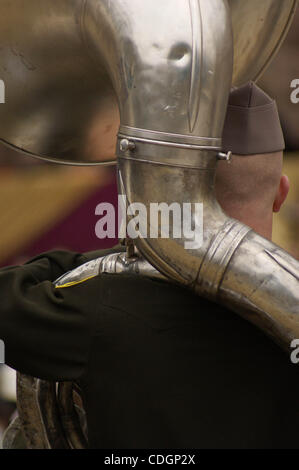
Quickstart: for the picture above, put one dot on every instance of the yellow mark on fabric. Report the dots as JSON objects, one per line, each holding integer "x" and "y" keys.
{"x": 75, "y": 283}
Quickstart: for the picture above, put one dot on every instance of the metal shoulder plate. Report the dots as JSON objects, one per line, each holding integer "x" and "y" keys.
{"x": 82, "y": 273}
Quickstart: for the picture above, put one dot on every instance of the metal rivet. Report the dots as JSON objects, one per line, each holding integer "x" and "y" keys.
{"x": 126, "y": 145}
{"x": 225, "y": 156}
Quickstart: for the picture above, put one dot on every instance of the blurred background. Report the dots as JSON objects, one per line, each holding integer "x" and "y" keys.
{"x": 44, "y": 206}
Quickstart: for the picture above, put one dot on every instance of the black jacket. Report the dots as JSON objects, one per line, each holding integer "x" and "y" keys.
{"x": 159, "y": 366}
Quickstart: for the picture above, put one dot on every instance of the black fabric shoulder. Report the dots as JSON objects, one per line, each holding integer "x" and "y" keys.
{"x": 46, "y": 331}
{"x": 55, "y": 263}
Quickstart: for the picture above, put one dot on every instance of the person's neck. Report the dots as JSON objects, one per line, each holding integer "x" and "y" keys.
{"x": 261, "y": 223}
{"x": 262, "y": 226}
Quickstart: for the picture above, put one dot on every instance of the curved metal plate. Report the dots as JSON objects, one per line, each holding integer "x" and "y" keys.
{"x": 259, "y": 27}
{"x": 59, "y": 102}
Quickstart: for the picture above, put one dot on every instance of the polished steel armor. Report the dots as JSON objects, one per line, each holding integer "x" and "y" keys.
{"x": 74, "y": 69}
{"x": 60, "y": 102}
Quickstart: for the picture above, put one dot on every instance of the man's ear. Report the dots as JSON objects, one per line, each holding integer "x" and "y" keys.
{"x": 282, "y": 193}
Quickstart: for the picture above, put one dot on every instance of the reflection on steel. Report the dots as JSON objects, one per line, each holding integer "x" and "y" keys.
{"x": 29, "y": 413}
{"x": 60, "y": 103}
{"x": 69, "y": 417}
{"x": 61, "y": 97}
{"x": 68, "y": 62}
{"x": 48, "y": 417}
{"x": 259, "y": 26}
{"x": 46, "y": 395}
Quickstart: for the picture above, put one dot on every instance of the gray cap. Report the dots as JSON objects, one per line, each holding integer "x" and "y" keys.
{"x": 252, "y": 124}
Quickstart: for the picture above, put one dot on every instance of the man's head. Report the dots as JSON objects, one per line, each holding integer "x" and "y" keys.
{"x": 252, "y": 186}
